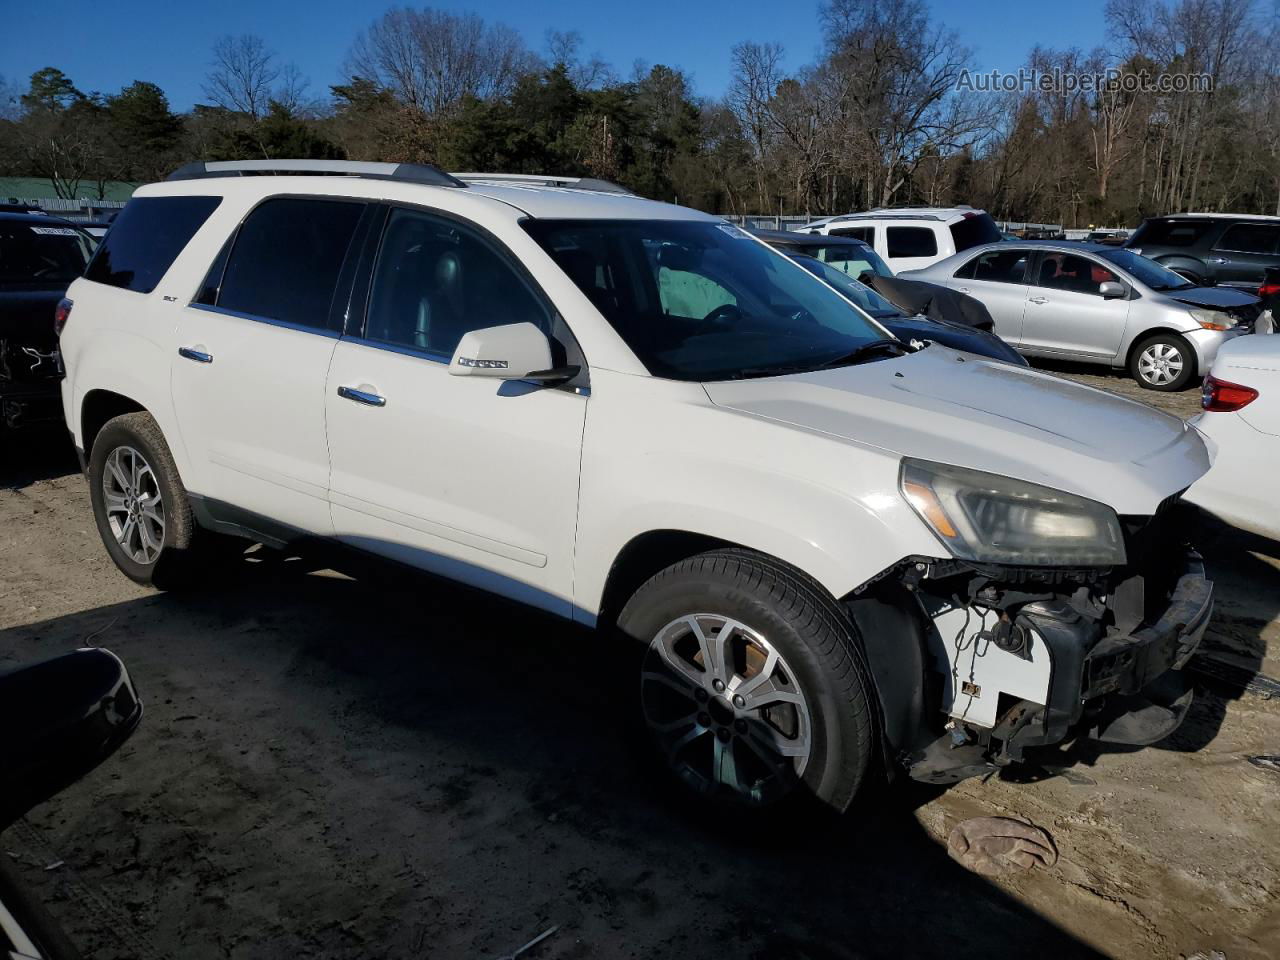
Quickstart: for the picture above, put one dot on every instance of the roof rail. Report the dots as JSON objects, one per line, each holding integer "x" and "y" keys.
{"x": 405, "y": 172}
{"x": 540, "y": 180}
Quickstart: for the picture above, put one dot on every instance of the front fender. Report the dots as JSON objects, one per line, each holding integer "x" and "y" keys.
{"x": 658, "y": 455}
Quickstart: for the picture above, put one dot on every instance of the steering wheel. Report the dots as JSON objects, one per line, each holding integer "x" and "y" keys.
{"x": 725, "y": 313}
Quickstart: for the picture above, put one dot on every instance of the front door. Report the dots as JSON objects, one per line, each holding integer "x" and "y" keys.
{"x": 253, "y": 352}
{"x": 1067, "y": 315}
{"x": 1243, "y": 253}
{"x": 470, "y": 477}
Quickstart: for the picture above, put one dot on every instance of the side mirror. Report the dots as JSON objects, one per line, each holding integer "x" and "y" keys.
{"x": 1112, "y": 290}
{"x": 515, "y": 351}
{"x": 62, "y": 718}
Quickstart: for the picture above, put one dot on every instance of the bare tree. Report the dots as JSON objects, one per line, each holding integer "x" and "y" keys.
{"x": 242, "y": 74}
{"x": 430, "y": 59}
{"x": 591, "y": 74}
{"x": 757, "y": 72}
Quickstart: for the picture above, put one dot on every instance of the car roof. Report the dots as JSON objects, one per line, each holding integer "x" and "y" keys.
{"x": 1263, "y": 217}
{"x": 940, "y": 214}
{"x": 799, "y": 239}
{"x": 1070, "y": 246}
{"x": 558, "y": 198}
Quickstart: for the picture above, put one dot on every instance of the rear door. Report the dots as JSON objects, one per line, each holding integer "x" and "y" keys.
{"x": 1244, "y": 251}
{"x": 998, "y": 278}
{"x": 253, "y": 354}
{"x": 1065, "y": 313}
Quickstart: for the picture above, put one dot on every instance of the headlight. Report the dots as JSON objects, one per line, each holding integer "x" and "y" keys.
{"x": 992, "y": 519}
{"x": 1212, "y": 319}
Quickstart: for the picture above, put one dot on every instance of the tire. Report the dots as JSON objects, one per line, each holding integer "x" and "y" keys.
{"x": 1163, "y": 361}
{"x": 803, "y": 732}
{"x": 163, "y": 544}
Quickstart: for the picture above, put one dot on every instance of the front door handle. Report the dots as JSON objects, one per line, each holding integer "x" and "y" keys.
{"x": 1039, "y": 299}
{"x": 199, "y": 356}
{"x": 1219, "y": 260}
{"x": 964, "y": 289}
{"x": 362, "y": 396}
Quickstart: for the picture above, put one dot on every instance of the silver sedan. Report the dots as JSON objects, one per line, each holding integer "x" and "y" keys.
{"x": 1099, "y": 304}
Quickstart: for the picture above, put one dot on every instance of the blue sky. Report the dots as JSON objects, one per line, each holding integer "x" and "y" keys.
{"x": 104, "y": 46}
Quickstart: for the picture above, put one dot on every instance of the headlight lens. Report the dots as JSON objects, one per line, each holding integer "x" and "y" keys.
{"x": 988, "y": 518}
{"x": 1212, "y": 319}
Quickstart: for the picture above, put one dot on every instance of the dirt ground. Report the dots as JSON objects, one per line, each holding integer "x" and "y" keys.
{"x": 353, "y": 764}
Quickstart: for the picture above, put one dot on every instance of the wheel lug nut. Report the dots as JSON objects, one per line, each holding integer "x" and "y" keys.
{"x": 719, "y": 685}
{"x": 738, "y": 701}
{"x": 704, "y": 719}
{"x": 741, "y": 726}
{"x": 700, "y": 696}
{"x": 723, "y": 735}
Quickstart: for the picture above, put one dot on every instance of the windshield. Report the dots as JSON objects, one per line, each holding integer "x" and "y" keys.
{"x": 42, "y": 254}
{"x": 699, "y": 300}
{"x": 1147, "y": 271}
{"x": 849, "y": 258}
{"x": 866, "y": 298}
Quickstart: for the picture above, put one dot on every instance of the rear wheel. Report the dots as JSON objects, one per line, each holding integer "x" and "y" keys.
{"x": 142, "y": 511}
{"x": 752, "y": 686}
{"x": 1164, "y": 361}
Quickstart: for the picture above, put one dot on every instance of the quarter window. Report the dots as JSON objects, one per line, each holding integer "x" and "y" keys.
{"x": 145, "y": 240}
{"x": 285, "y": 261}
{"x": 911, "y": 242}
{"x": 858, "y": 233}
{"x": 1250, "y": 238}
{"x": 436, "y": 280}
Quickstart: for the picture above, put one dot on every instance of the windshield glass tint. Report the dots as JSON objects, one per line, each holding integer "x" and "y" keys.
{"x": 697, "y": 300}
{"x": 1146, "y": 271}
{"x": 859, "y": 293}
{"x": 36, "y": 253}
{"x": 973, "y": 230}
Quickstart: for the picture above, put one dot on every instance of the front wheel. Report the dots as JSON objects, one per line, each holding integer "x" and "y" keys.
{"x": 753, "y": 689}
{"x": 1164, "y": 361}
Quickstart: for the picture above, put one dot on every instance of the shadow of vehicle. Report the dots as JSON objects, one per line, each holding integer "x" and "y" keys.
{"x": 395, "y": 766}
{"x": 35, "y": 453}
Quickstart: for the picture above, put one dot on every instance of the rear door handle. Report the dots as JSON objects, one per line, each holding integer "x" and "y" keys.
{"x": 1219, "y": 260}
{"x": 964, "y": 289}
{"x": 362, "y": 396}
{"x": 199, "y": 356}
{"x": 1039, "y": 299}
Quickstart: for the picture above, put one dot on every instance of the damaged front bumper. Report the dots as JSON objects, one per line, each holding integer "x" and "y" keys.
{"x": 1028, "y": 665}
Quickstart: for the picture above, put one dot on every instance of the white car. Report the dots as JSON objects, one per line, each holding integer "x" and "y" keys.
{"x": 910, "y": 238}
{"x": 1242, "y": 420}
{"x": 835, "y": 554}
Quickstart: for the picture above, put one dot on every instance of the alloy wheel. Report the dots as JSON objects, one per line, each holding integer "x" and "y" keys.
{"x": 725, "y": 709}
{"x": 1160, "y": 363}
{"x": 133, "y": 504}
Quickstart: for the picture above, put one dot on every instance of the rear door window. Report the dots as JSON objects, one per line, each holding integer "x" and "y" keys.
{"x": 146, "y": 238}
{"x": 997, "y": 266}
{"x": 286, "y": 259}
{"x": 1250, "y": 238}
{"x": 911, "y": 242}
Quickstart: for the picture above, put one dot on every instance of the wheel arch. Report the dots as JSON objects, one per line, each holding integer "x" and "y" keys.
{"x": 1146, "y": 335}
{"x": 642, "y": 557}
{"x": 100, "y": 406}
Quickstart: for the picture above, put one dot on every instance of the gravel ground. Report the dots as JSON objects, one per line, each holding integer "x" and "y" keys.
{"x": 352, "y": 764}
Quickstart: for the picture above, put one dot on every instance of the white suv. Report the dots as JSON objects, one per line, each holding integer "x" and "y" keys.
{"x": 836, "y": 553}
{"x": 910, "y": 238}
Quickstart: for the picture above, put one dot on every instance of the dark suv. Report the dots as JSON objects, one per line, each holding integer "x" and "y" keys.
{"x": 39, "y": 257}
{"x": 1226, "y": 248}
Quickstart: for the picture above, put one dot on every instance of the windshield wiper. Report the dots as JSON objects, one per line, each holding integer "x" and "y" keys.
{"x": 865, "y": 351}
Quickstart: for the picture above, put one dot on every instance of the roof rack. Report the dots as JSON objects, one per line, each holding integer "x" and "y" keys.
{"x": 405, "y": 172}
{"x": 540, "y": 180}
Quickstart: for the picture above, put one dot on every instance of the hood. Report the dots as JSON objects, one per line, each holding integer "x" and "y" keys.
{"x": 940, "y": 405}
{"x": 1221, "y": 298}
